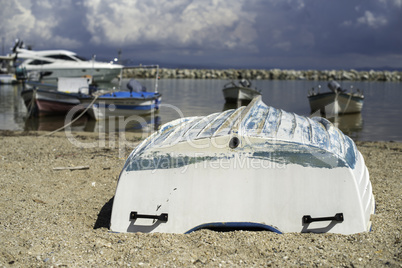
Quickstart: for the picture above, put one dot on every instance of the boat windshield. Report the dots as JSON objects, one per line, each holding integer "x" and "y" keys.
{"x": 61, "y": 57}
{"x": 39, "y": 62}
{"x": 81, "y": 58}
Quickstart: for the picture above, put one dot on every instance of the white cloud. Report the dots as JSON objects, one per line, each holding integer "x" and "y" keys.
{"x": 372, "y": 21}
{"x": 16, "y": 19}
{"x": 218, "y": 23}
{"x": 19, "y": 21}
{"x": 397, "y": 3}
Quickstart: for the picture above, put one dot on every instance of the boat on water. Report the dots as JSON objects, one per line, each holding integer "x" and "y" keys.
{"x": 337, "y": 101}
{"x": 7, "y": 76}
{"x": 252, "y": 168}
{"x": 54, "y": 100}
{"x": 48, "y": 65}
{"x": 115, "y": 103}
{"x": 121, "y": 103}
{"x": 78, "y": 92}
{"x": 8, "y": 79}
{"x": 239, "y": 91}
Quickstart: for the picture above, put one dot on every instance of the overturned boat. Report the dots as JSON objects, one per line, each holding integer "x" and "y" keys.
{"x": 253, "y": 167}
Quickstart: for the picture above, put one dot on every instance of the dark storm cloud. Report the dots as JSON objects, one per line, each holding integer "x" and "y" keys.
{"x": 215, "y": 33}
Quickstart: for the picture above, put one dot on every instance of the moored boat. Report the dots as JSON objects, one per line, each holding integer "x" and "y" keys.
{"x": 337, "y": 101}
{"x": 239, "y": 91}
{"x": 49, "y": 65}
{"x": 115, "y": 103}
{"x": 49, "y": 100}
{"x": 121, "y": 103}
{"x": 8, "y": 79}
{"x": 253, "y": 167}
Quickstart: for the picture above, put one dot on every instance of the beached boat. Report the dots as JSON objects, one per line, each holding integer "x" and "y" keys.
{"x": 254, "y": 167}
{"x": 48, "y": 100}
{"x": 239, "y": 91}
{"x": 337, "y": 101}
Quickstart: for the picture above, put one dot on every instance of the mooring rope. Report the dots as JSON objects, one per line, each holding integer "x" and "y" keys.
{"x": 347, "y": 104}
{"x": 31, "y": 104}
{"x": 79, "y": 116}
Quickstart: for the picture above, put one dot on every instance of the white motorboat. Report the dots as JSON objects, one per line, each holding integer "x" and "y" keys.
{"x": 253, "y": 167}
{"x": 48, "y": 65}
{"x": 337, "y": 101}
{"x": 240, "y": 91}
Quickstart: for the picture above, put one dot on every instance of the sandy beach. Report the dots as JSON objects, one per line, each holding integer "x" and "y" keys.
{"x": 56, "y": 202}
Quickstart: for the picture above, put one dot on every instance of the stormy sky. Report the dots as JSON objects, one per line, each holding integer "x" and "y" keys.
{"x": 285, "y": 34}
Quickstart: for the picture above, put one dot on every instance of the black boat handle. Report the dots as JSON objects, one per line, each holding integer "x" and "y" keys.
{"x": 163, "y": 217}
{"x": 309, "y": 219}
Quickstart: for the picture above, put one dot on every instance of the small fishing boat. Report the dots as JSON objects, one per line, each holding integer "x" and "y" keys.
{"x": 337, "y": 101}
{"x": 52, "y": 100}
{"x": 253, "y": 168}
{"x": 8, "y": 79}
{"x": 115, "y": 103}
{"x": 239, "y": 91}
{"x": 121, "y": 103}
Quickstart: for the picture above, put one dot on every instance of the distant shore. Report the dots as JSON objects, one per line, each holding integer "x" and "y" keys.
{"x": 271, "y": 74}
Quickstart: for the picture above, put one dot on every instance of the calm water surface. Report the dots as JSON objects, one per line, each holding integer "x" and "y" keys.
{"x": 380, "y": 120}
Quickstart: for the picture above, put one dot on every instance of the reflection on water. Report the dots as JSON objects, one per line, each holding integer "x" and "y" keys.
{"x": 379, "y": 120}
{"x": 234, "y": 105}
{"x": 12, "y": 108}
{"x": 350, "y": 124}
{"x": 85, "y": 123}
{"x": 51, "y": 123}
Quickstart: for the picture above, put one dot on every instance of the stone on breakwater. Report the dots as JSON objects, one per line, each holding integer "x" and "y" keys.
{"x": 272, "y": 74}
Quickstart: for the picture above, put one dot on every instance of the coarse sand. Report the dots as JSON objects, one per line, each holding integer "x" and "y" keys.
{"x": 56, "y": 202}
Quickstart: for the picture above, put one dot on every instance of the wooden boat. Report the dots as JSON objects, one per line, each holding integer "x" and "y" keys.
{"x": 337, "y": 101}
{"x": 49, "y": 100}
{"x": 254, "y": 167}
{"x": 136, "y": 101}
{"x": 240, "y": 91}
{"x": 121, "y": 103}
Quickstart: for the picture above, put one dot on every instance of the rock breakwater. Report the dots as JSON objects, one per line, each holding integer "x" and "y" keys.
{"x": 271, "y": 74}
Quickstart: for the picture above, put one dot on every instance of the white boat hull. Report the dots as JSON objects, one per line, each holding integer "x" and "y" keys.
{"x": 105, "y": 108}
{"x": 255, "y": 167}
{"x": 7, "y": 79}
{"x": 48, "y": 65}
{"x": 233, "y": 94}
{"x": 104, "y": 74}
{"x": 330, "y": 103}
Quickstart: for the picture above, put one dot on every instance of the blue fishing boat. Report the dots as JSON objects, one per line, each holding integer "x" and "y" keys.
{"x": 136, "y": 100}
{"x": 121, "y": 103}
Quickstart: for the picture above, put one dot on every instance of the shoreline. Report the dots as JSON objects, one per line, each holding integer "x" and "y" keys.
{"x": 261, "y": 74}
{"x": 59, "y": 217}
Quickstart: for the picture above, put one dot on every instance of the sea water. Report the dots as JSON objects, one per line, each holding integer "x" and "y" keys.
{"x": 380, "y": 119}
